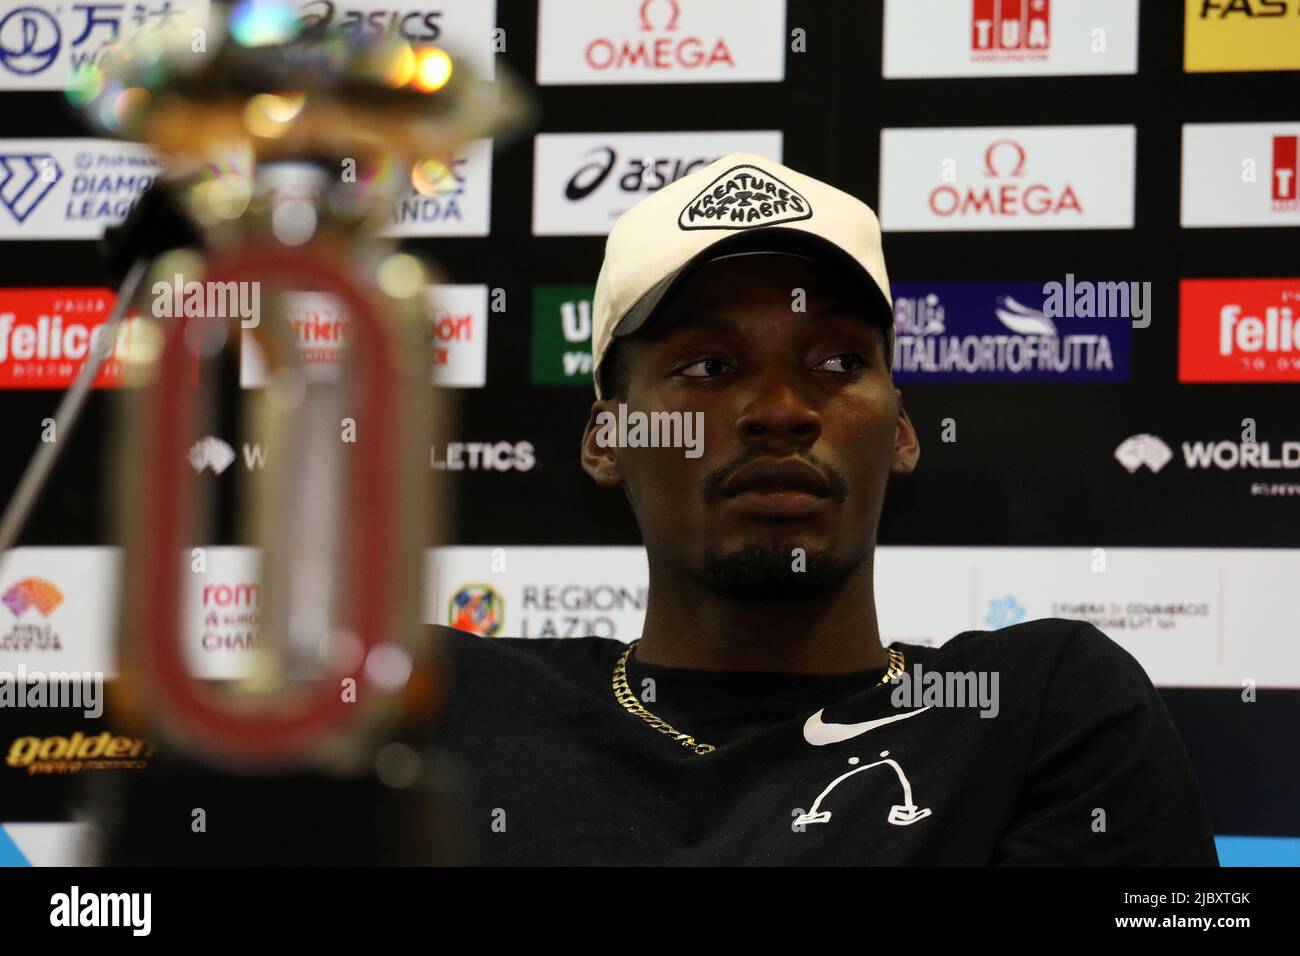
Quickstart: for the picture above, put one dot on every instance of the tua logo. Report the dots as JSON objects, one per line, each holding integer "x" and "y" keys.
{"x": 1001, "y": 25}
{"x": 1286, "y": 169}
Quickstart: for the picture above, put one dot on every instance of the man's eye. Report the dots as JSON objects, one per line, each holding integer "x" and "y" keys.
{"x": 704, "y": 368}
{"x": 848, "y": 362}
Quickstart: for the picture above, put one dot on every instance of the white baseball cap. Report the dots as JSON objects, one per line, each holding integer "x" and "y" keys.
{"x": 743, "y": 203}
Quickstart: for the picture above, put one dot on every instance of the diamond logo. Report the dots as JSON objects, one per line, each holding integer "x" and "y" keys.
{"x": 25, "y": 178}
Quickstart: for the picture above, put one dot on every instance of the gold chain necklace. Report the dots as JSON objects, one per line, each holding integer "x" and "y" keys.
{"x": 623, "y": 694}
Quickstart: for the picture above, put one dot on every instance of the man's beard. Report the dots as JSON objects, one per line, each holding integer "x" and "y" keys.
{"x": 769, "y": 572}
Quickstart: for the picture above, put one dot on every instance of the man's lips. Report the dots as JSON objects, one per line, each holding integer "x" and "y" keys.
{"x": 784, "y": 479}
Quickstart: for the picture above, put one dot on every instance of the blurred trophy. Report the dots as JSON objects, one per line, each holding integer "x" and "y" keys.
{"x": 272, "y": 645}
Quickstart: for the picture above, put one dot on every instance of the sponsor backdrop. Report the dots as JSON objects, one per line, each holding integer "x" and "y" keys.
{"x": 1089, "y": 210}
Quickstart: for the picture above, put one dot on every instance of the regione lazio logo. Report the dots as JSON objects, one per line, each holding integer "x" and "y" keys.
{"x": 1026, "y": 177}
{"x": 478, "y": 609}
{"x": 744, "y": 197}
{"x": 25, "y": 178}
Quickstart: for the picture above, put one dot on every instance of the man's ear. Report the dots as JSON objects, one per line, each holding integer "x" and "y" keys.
{"x": 599, "y": 447}
{"x": 907, "y": 448}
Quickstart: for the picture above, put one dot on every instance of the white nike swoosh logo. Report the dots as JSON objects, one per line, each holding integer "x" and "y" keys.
{"x": 820, "y": 734}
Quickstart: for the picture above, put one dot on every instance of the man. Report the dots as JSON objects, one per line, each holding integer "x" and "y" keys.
{"x": 759, "y": 718}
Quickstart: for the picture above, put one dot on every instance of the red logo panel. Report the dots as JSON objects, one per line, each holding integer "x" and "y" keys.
{"x": 1239, "y": 330}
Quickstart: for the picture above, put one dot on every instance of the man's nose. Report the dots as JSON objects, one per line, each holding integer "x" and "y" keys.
{"x": 779, "y": 417}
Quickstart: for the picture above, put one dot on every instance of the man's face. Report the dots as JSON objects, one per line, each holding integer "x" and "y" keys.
{"x": 802, "y": 427}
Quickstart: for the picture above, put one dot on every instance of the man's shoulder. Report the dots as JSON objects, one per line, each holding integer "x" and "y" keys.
{"x": 1040, "y": 641}
{"x": 1072, "y": 656}
{"x": 576, "y": 656}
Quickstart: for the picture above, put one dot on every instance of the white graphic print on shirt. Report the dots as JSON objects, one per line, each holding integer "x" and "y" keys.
{"x": 819, "y": 734}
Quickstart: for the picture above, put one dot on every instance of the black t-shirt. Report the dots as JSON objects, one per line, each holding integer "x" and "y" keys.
{"x": 1080, "y": 765}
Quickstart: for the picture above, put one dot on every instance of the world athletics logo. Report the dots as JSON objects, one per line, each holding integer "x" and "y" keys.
{"x": 32, "y": 592}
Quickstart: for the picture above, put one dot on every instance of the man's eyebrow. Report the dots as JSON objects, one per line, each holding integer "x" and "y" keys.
{"x": 711, "y": 320}
{"x": 689, "y": 321}
{"x": 843, "y": 307}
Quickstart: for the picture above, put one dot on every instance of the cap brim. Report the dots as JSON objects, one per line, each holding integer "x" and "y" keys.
{"x": 775, "y": 239}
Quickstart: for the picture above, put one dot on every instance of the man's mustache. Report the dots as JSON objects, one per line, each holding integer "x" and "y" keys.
{"x": 716, "y": 479}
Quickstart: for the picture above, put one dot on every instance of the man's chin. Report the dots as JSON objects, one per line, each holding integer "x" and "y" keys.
{"x": 773, "y": 571}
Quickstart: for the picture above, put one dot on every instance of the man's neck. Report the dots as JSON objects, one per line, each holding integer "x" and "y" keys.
{"x": 689, "y": 625}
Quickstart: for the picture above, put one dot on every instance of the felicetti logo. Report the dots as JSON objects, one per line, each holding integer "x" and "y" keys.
{"x": 31, "y": 598}
{"x": 660, "y": 41}
{"x": 1239, "y": 330}
{"x": 47, "y": 335}
{"x": 478, "y": 609}
{"x": 1010, "y": 29}
{"x": 1005, "y": 189}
